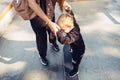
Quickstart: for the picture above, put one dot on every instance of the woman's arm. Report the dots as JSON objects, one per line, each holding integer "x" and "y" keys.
{"x": 36, "y": 8}
{"x": 64, "y": 5}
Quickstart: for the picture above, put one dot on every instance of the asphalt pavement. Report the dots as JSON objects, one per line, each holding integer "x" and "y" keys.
{"x": 99, "y": 22}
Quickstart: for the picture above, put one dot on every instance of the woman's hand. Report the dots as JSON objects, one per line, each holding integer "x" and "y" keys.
{"x": 54, "y": 27}
{"x": 66, "y": 6}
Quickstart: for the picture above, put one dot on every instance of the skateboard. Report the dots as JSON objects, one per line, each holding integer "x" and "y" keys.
{"x": 68, "y": 63}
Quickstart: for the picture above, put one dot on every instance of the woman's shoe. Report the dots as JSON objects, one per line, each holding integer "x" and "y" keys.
{"x": 55, "y": 47}
{"x": 44, "y": 61}
{"x": 73, "y": 73}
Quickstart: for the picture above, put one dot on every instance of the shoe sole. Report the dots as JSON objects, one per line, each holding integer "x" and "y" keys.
{"x": 75, "y": 74}
{"x": 43, "y": 63}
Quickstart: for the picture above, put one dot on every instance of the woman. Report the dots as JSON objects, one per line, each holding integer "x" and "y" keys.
{"x": 45, "y": 21}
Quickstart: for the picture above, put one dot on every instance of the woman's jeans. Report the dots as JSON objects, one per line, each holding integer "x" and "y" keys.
{"x": 41, "y": 36}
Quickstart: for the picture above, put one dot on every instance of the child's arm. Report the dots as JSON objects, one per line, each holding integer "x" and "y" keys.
{"x": 70, "y": 37}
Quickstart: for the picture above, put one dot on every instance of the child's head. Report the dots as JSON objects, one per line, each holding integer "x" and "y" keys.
{"x": 65, "y": 21}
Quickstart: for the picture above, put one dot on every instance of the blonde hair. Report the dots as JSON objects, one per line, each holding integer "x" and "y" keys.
{"x": 65, "y": 20}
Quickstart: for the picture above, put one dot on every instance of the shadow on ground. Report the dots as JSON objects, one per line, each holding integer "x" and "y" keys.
{"x": 19, "y": 60}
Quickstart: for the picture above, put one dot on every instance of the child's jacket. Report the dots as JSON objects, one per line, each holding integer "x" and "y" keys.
{"x": 74, "y": 38}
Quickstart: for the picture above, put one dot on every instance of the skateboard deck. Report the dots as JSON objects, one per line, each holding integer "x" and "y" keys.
{"x": 68, "y": 64}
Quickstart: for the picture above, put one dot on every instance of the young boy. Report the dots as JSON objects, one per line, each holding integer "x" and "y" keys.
{"x": 69, "y": 34}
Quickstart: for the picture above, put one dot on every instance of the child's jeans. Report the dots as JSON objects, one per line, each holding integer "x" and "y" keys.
{"x": 69, "y": 56}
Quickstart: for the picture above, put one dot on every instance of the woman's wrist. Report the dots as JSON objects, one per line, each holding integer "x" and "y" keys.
{"x": 50, "y": 25}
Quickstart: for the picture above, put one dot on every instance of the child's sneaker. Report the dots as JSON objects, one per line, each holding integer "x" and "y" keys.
{"x": 73, "y": 73}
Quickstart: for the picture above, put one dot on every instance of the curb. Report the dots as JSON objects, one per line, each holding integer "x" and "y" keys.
{"x": 6, "y": 18}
